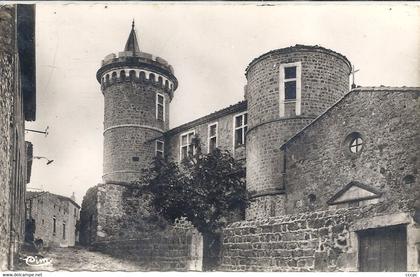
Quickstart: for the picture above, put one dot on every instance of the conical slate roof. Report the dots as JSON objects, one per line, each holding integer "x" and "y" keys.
{"x": 132, "y": 44}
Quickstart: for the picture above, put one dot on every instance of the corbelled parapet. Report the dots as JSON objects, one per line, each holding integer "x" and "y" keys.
{"x": 137, "y": 66}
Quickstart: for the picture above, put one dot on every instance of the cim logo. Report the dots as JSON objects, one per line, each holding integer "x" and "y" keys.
{"x": 37, "y": 261}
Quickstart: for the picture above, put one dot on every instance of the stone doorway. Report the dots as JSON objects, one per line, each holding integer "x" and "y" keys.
{"x": 383, "y": 249}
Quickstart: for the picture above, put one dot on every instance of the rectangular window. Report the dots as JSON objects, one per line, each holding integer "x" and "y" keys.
{"x": 290, "y": 86}
{"x": 240, "y": 128}
{"x": 290, "y": 72}
{"x": 160, "y": 107}
{"x": 290, "y": 83}
{"x": 212, "y": 137}
{"x": 54, "y": 226}
{"x": 186, "y": 147}
{"x": 64, "y": 230}
{"x": 159, "y": 149}
{"x": 290, "y": 90}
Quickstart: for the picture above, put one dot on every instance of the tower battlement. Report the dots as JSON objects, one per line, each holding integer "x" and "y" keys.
{"x": 139, "y": 67}
{"x": 139, "y": 56}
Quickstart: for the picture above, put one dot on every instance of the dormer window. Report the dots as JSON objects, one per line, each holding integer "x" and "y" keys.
{"x": 290, "y": 86}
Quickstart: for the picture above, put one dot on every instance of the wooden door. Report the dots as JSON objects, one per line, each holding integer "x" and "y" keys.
{"x": 383, "y": 249}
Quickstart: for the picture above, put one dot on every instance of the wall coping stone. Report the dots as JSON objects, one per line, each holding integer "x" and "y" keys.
{"x": 305, "y": 215}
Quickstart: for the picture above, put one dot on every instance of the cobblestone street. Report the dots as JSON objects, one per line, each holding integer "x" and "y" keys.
{"x": 80, "y": 259}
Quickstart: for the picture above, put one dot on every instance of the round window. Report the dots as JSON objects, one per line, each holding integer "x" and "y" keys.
{"x": 356, "y": 145}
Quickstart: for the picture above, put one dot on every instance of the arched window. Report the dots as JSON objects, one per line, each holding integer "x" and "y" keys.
{"x": 142, "y": 75}
{"x": 152, "y": 77}
{"x": 122, "y": 75}
{"x": 107, "y": 78}
{"x": 166, "y": 84}
{"x": 114, "y": 76}
{"x": 160, "y": 80}
{"x": 132, "y": 74}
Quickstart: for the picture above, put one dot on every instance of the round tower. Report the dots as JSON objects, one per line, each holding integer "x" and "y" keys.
{"x": 286, "y": 89}
{"x": 137, "y": 89}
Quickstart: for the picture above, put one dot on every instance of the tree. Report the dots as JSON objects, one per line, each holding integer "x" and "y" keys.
{"x": 208, "y": 189}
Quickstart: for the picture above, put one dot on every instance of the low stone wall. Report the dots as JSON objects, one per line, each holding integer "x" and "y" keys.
{"x": 318, "y": 241}
{"x": 117, "y": 219}
{"x": 169, "y": 250}
{"x": 89, "y": 217}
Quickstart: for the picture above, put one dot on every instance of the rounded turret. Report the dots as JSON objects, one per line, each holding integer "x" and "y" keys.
{"x": 137, "y": 89}
{"x": 286, "y": 89}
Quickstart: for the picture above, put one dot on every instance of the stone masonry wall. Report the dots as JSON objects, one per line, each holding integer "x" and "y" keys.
{"x": 117, "y": 220}
{"x": 320, "y": 163}
{"x": 224, "y": 138}
{"x": 318, "y": 241}
{"x": 129, "y": 149}
{"x": 89, "y": 217}
{"x": 264, "y": 154}
{"x": 113, "y": 212}
{"x": 13, "y": 151}
{"x": 123, "y": 213}
{"x": 131, "y": 102}
{"x": 266, "y": 206}
{"x": 7, "y": 95}
{"x": 166, "y": 250}
{"x": 43, "y": 207}
{"x": 324, "y": 80}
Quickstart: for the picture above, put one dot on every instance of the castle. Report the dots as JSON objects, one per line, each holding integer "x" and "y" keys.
{"x": 332, "y": 172}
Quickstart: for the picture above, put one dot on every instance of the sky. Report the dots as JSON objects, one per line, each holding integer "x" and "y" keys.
{"x": 209, "y": 45}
